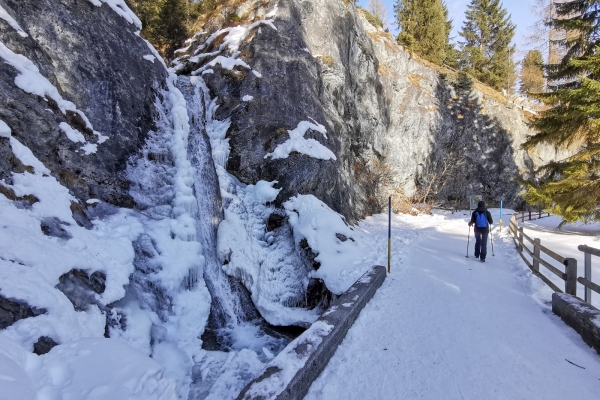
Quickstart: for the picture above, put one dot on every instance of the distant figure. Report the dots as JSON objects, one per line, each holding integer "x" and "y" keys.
{"x": 482, "y": 219}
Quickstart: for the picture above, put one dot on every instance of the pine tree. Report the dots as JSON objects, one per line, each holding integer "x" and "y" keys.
{"x": 571, "y": 188}
{"x": 451, "y": 56}
{"x": 486, "y": 51}
{"x": 424, "y": 28}
{"x": 532, "y": 73}
{"x": 168, "y": 23}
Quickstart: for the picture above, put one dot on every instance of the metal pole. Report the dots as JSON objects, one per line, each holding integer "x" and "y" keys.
{"x": 588, "y": 276}
{"x": 468, "y": 241}
{"x": 389, "y": 234}
{"x": 500, "y": 216}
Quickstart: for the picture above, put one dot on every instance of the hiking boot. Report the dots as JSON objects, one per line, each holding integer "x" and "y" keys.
{"x": 482, "y": 260}
{"x": 476, "y": 256}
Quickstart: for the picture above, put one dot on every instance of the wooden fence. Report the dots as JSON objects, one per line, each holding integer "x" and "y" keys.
{"x": 567, "y": 271}
{"x": 570, "y": 264}
{"x": 536, "y": 215}
{"x": 586, "y": 281}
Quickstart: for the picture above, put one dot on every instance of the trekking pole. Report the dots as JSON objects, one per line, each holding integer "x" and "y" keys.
{"x": 492, "y": 239}
{"x": 468, "y": 239}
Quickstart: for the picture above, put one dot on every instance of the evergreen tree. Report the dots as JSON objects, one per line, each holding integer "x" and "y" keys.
{"x": 451, "y": 56}
{"x": 571, "y": 188}
{"x": 532, "y": 73}
{"x": 486, "y": 51}
{"x": 168, "y": 23}
{"x": 424, "y": 28}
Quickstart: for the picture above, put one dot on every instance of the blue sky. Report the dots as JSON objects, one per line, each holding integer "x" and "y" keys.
{"x": 520, "y": 11}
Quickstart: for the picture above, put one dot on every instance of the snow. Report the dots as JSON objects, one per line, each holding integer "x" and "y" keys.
{"x": 32, "y": 276}
{"x": 247, "y": 98}
{"x": 90, "y": 368}
{"x": 342, "y": 263}
{"x": 256, "y": 73}
{"x": 298, "y": 143}
{"x": 22, "y": 152}
{"x": 446, "y": 326}
{"x": 31, "y": 81}
{"x": 232, "y": 41}
{"x": 121, "y": 8}
{"x": 289, "y": 362}
{"x": 73, "y": 134}
{"x": 11, "y": 21}
{"x": 150, "y": 58}
{"x": 272, "y": 13}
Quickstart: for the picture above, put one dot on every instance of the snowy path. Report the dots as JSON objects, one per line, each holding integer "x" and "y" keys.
{"x": 446, "y": 327}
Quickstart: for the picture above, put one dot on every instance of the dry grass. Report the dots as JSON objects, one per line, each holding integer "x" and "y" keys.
{"x": 327, "y": 60}
{"x": 415, "y": 79}
{"x": 386, "y": 70}
{"x": 227, "y": 8}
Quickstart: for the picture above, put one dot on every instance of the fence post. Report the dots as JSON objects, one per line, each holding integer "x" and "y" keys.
{"x": 530, "y": 215}
{"x": 520, "y": 239}
{"x": 588, "y": 276}
{"x": 522, "y": 216}
{"x": 540, "y": 216}
{"x": 536, "y": 253}
{"x": 571, "y": 281}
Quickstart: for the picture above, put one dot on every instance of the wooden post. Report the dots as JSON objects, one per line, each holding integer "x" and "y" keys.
{"x": 522, "y": 216}
{"x": 536, "y": 253}
{"x": 520, "y": 239}
{"x": 571, "y": 271}
{"x": 530, "y": 215}
{"x": 540, "y": 216}
{"x": 588, "y": 275}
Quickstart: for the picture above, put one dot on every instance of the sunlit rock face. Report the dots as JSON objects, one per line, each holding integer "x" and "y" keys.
{"x": 395, "y": 123}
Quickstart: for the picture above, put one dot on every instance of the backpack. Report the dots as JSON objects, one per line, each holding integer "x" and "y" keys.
{"x": 481, "y": 220}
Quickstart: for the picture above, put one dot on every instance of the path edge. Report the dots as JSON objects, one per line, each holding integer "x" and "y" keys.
{"x": 579, "y": 315}
{"x": 290, "y": 375}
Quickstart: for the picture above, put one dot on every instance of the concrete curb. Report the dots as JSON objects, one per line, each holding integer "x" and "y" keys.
{"x": 289, "y": 375}
{"x": 579, "y": 315}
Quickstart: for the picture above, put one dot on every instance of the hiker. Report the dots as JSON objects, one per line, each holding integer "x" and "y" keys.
{"x": 482, "y": 219}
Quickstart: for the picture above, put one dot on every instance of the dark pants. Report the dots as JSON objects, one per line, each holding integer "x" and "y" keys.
{"x": 481, "y": 237}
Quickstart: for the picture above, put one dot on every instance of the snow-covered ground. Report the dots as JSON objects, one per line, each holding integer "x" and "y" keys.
{"x": 443, "y": 326}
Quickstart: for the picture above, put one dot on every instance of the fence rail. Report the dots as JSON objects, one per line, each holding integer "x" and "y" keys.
{"x": 586, "y": 281}
{"x": 569, "y": 275}
{"x": 531, "y": 215}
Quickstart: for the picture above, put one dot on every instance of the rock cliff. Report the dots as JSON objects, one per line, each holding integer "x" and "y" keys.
{"x": 95, "y": 61}
{"x": 396, "y": 124}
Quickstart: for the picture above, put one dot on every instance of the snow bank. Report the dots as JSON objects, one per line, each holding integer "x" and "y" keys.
{"x": 92, "y": 368}
{"x": 298, "y": 143}
{"x": 340, "y": 248}
{"x": 121, "y": 8}
{"x": 171, "y": 338}
{"x": 11, "y": 21}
